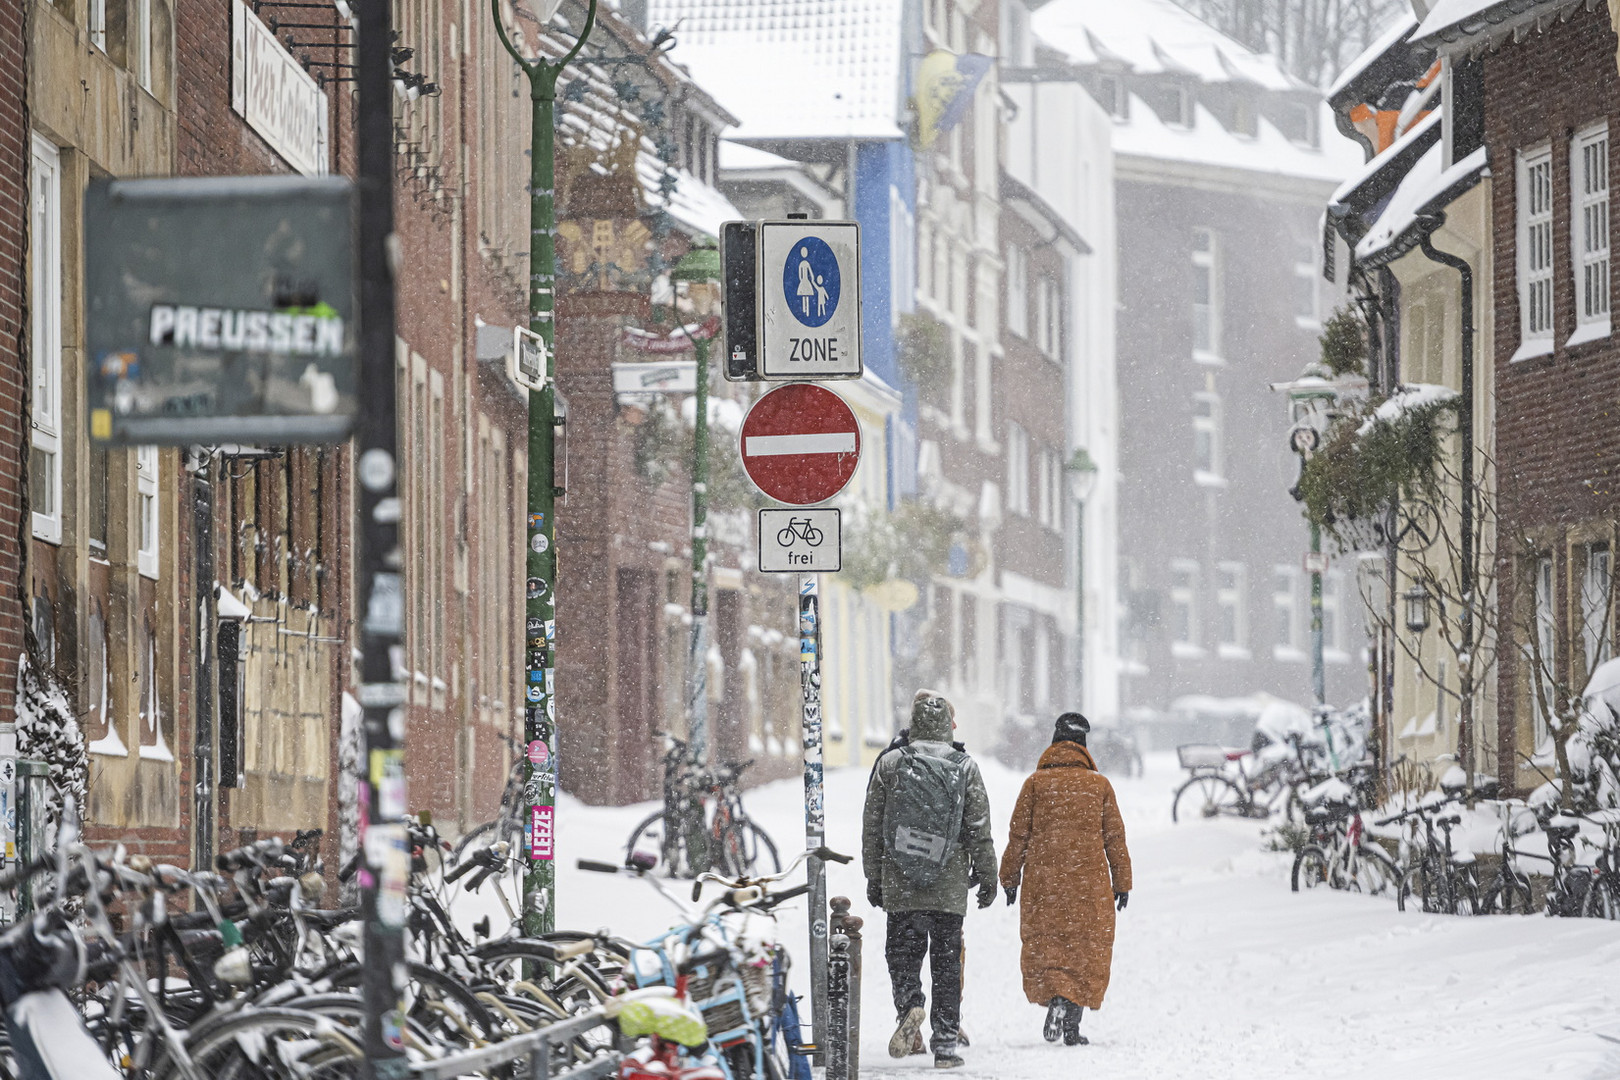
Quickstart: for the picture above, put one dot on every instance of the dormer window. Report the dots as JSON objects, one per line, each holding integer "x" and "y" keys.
{"x": 1244, "y": 121}
{"x": 1181, "y": 107}
{"x": 1111, "y": 96}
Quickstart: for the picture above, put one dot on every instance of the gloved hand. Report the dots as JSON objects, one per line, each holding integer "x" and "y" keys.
{"x": 874, "y": 893}
{"x": 1120, "y": 900}
{"x": 1012, "y": 894}
{"x": 987, "y": 894}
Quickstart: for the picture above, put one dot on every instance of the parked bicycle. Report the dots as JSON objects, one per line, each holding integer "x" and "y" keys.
{"x": 703, "y": 825}
{"x": 1225, "y": 782}
{"x": 1340, "y": 855}
{"x": 1439, "y": 879}
{"x": 733, "y": 970}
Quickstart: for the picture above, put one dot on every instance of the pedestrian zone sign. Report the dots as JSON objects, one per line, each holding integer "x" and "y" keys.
{"x": 793, "y": 299}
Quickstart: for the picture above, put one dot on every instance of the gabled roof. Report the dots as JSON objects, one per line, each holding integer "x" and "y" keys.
{"x": 1153, "y": 37}
{"x": 1207, "y": 142}
{"x": 794, "y": 69}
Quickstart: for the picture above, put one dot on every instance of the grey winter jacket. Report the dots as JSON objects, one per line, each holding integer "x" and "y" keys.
{"x": 974, "y": 859}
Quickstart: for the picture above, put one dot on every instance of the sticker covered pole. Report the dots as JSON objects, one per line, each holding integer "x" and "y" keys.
{"x": 384, "y": 869}
{"x": 815, "y": 808}
{"x": 540, "y": 593}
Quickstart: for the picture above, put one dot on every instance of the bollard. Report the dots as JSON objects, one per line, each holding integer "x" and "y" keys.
{"x": 33, "y": 782}
{"x": 846, "y": 1027}
{"x": 850, "y": 927}
{"x": 836, "y": 1046}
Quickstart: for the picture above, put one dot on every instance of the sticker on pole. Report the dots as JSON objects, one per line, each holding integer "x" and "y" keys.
{"x": 540, "y": 833}
{"x": 810, "y": 310}
{"x": 800, "y": 541}
{"x": 801, "y": 444}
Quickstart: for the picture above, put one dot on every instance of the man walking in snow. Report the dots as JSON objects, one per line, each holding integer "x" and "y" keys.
{"x": 925, "y": 840}
{"x": 1066, "y": 848}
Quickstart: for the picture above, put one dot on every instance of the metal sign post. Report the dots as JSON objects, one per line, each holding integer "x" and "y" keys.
{"x": 815, "y": 810}
{"x": 380, "y": 595}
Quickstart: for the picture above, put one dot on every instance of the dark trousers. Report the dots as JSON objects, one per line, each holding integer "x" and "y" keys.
{"x": 938, "y": 934}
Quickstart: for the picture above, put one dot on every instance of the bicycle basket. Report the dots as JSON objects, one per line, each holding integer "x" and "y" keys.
{"x": 1201, "y": 756}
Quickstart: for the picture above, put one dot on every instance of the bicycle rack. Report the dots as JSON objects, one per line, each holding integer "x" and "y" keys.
{"x": 538, "y": 1046}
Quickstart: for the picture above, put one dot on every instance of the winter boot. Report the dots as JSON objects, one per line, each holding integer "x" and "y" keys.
{"x": 1056, "y": 1010}
{"x": 948, "y": 1060}
{"x": 1071, "y": 1026}
{"x": 905, "y": 1034}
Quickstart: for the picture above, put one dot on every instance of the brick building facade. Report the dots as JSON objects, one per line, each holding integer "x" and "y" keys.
{"x": 1551, "y": 99}
{"x": 14, "y": 325}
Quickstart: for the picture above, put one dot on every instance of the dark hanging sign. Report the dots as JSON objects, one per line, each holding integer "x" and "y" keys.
{"x": 220, "y": 309}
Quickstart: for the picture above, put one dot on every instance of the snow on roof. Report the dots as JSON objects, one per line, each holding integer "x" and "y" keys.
{"x": 1401, "y": 27}
{"x": 1208, "y": 142}
{"x": 1458, "y": 18}
{"x": 734, "y": 155}
{"x": 693, "y": 203}
{"x": 1425, "y": 189}
{"x": 1425, "y": 129}
{"x": 794, "y": 69}
{"x": 1154, "y": 36}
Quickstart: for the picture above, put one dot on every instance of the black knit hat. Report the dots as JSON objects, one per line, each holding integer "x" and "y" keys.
{"x": 1071, "y": 727}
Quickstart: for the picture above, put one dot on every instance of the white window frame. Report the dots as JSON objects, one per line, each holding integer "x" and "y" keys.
{"x": 1049, "y": 317}
{"x": 1017, "y": 291}
{"x": 1543, "y": 588}
{"x": 1184, "y": 574}
{"x": 1333, "y": 650}
{"x": 1597, "y": 643}
{"x": 1231, "y": 594}
{"x": 1207, "y": 261}
{"x": 45, "y": 440}
{"x": 98, "y": 24}
{"x": 1589, "y": 186}
{"x": 153, "y": 745}
{"x": 1017, "y": 470}
{"x": 148, "y": 525}
{"x": 1208, "y": 426}
{"x": 1534, "y": 231}
{"x": 1285, "y": 611}
{"x": 1307, "y": 274}
{"x": 142, "y": 17}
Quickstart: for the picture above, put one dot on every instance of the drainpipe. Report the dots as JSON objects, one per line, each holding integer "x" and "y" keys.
{"x": 1465, "y": 422}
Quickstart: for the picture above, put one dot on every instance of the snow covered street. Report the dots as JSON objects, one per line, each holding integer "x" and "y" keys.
{"x": 1219, "y": 970}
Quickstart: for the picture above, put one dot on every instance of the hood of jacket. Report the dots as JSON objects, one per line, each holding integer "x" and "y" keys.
{"x": 1067, "y": 755}
{"x": 931, "y": 717}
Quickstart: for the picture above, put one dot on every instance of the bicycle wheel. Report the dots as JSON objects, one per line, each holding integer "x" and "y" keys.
{"x": 746, "y": 851}
{"x": 1312, "y": 869}
{"x": 1508, "y": 894}
{"x": 269, "y": 1044}
{"x": 1464, "y": 893}
{"x": 1207, "y": 796}
{"x": 1418, "y": 886}
{"x": 1372, "y": 872}
{"x": 1601, "y": 901}
{"x": 436, "y": 1001}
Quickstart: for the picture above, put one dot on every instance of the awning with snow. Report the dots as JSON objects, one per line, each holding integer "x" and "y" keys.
{"x": 1424, "y": 191}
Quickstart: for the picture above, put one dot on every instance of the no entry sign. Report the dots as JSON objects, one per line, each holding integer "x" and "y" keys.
{"x": 801, "y": 444}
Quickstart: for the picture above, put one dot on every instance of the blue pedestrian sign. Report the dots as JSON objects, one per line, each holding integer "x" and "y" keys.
{"x": 810, "y": 281}
{"x": 810, "y": 307}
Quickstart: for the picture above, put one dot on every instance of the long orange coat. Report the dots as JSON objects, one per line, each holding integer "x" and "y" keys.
{"x": 1067, "y": 847}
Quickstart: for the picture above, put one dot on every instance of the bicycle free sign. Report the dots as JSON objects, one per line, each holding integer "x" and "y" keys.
{"x": 801, "y": 541}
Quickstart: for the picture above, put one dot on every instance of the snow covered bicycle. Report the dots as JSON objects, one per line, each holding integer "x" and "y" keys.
{"x": 1340, "y": 856}
{"x": 1440, "y": 880}
{"x": 1225, "y": 782}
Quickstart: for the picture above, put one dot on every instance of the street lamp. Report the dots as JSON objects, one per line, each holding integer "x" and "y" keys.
{"x": 1310, "y": 399}
{"x": 540, "y": 609}
{"x": 700, "y": 265}
{"x": 1417, "y": 607}
{"x": 1083, "y": 479}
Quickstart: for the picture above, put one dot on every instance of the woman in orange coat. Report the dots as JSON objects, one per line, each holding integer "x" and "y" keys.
{"x": 1066, "y": 847}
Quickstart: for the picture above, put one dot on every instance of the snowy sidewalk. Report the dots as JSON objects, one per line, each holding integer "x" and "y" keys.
{"x": 1219, "y": 970}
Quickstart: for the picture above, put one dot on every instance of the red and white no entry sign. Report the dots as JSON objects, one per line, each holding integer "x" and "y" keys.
{"x": 800, "y": 444}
